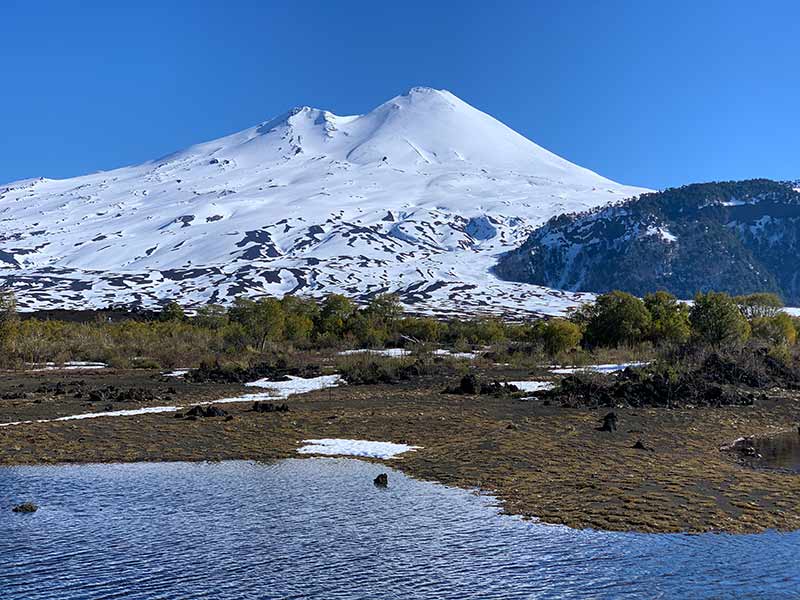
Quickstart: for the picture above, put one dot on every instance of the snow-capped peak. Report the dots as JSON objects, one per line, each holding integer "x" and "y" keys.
{"x": 417, "y": 196}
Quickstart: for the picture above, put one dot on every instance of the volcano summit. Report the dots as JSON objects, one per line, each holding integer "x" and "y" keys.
{"x": 419, "y": 197}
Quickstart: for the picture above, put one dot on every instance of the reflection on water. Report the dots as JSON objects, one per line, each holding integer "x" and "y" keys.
{"x": 780, "y": 451}
{"x": 319, "y": 528}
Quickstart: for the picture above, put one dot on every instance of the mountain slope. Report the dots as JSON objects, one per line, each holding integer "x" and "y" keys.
{"x": 418, "y": 196}
{"x": 737, "y": 237}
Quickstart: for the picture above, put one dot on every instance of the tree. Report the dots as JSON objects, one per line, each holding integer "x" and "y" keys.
{"x": 386, "y": 309}
{"x": 262, "y": 320}
{"x": 560, "y": 335}
{"x": 754, "y": 306}
{"x": 211, "y": 316}
{"x": 615, "y": 318}
{"x": 171, "y": 311}
{"x": 778, "y": 330}
{"x": 423, "y": 329}
{"x": 335, "y": 312}
{"x": 717, "y": 320}
{"x": 669, "y": 318}
{"x": 299, "y": 317}
{"x": 9, "y": 320}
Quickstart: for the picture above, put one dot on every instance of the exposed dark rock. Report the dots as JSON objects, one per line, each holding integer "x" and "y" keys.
{"x": 381, "y": 480}
{"x": 716, "y": 380}
{"x": 25, "y": 507}
{"x": 279, "y": 371}
{"x": 471, "y": 385}
{"x": 208, "y": 410}
{"x": 268, "y": 407}
{"x": 609, "y": 422}
{"x": 639, "y": 445}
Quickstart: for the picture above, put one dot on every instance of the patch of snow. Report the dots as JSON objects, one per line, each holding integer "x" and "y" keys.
{"x": 392, "y": 352}
{"x": 67, "y": 366}
{"x": 344, "y": 447}
{"x": 466, "y": 355}
{"x": 610, "y": 368}
{"x": 177, "y": 373}
{"x": 533, "y": 386}
{"x": 296, "y": 385}
{"x": 277, "y": 390}
{"x": 663, "y": 233}
{"x": 110, "y": 413}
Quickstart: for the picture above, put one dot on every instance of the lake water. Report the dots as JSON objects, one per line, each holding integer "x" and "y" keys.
{"x": 318, "y": 528}
{"x": 780, "y": 451}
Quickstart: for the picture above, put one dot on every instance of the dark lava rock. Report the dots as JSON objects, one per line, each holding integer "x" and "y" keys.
{"x": 609, "y": 422}
{"x": 112, "y": 393}
{"x": 639, "y": 445}
{"x": 205, "y": 411}
{"x": 716, "y": 380}
{"x": 25, "y": 507}
{"x": 268, "y": 407}
{"x": 279, "y": 371}
{"x": 471, "y": 385}
{"x": 381, "y": 480}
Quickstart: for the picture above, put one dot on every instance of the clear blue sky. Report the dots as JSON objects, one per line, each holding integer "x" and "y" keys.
{"x": 647, "y": 93}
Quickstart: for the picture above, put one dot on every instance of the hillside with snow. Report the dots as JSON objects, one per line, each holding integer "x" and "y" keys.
{"x": 739, "y": 237}
{"x": 419, "y": 197}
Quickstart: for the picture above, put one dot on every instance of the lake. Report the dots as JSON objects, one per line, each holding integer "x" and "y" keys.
{"x": 318, "y": 528}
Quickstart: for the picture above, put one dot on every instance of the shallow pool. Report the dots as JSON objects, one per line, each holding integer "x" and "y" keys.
{"x": 318, "y": 528}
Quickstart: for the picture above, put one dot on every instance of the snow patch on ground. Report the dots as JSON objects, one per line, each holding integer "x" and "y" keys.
{"x": 533, "y": 386}
{"x": 297, "y": 385}
{"x": 392, "y": 352}
{"x": 277, "y": 390}
{"x": 67, "y": 366}
{"x": 177, "y": 373}
{"x": 465, "y": 355}
{"x": 610, "y": 368}
{"x": 344, "y": 447}
{"x": 400, "y": 352}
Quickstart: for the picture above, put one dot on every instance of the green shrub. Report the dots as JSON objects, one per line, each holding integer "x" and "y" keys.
{"x": 616, "y": 318}
{"x": 560, "y": 335}
{"x": 776, "y": 330}
{"x": 716, "y": 320}
{"x": 669, "y": 318}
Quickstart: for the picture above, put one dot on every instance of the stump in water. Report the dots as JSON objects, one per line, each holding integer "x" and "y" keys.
{"x": 25, "y": 507}
{"x": 609, "y": 422}
{"x": 381, "y": 480}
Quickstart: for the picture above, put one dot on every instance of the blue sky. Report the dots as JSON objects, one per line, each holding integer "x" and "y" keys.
{"x": 647, "y": 93}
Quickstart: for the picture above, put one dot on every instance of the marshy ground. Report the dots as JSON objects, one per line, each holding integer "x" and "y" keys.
{"x": 543, "y": 461}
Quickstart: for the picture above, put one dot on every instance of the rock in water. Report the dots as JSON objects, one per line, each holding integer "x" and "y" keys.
{"x": 381, "y": 480}
{"x": 609, "y": 422}
{"x": 25, "y": 507}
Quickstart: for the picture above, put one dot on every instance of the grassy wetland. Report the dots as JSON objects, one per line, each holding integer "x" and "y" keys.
{"x": 677, "y": 455}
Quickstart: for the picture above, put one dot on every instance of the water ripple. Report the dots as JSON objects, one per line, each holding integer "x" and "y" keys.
{"x": 318, "y": 528}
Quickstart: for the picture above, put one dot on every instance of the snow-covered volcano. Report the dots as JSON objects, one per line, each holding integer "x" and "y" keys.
{"x": 418, "y": 197}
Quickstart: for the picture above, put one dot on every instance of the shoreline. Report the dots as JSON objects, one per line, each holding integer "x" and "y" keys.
{"x": 545, "y": 463}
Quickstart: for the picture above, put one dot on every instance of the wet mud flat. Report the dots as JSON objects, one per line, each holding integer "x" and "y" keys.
{"x": 544, "y": 462}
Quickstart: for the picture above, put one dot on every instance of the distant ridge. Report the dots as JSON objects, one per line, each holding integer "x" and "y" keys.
{"x": 737, "y": 236}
